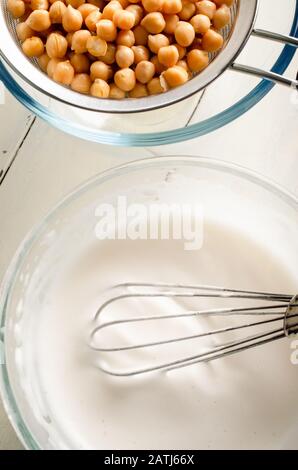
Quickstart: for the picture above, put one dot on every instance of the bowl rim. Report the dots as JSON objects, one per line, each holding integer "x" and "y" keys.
{"x": 157, "y": 138}
{"x": 6, "y": 393}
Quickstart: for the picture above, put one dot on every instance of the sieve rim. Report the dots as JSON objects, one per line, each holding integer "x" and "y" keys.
{"x": 238, "y": 37}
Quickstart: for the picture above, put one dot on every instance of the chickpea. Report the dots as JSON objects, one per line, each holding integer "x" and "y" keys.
{"x": 141, "y": 35}
{"x": 80, "y": 63}
{"x": 26, "y": 15}
{"x": 137, "y": 11}
{"x": 181, "y": 50}
{"x": 39, "y": 5}
{"x": 125, "y": 38}
{"x": 64, "y": 73}
{"x": 172, "y": 7}
{"x": 159, "y": 68}
{"x": 153, "y": 5}
{"x": 212, "y": 41}
{"x": 110, "y": 9}
{"x": 56, "y": 46}
{"x": 168, "y": 56}
{"x": 154, "y": 23}
{"x": 183, "y": 64}
{"x": 72, "y": 20}
{"x": 33, "y": 47}
{"x": 96, "y": 46}
{"x": 116, "y": 93}
{"x": 154, "y": 86}
{"x": 39, "y": 20}
{"x": 125, "y": 3}
{"x": 100, "y": 70}
{"x": 171, "y": 23}
{"x": 52, "y": 66}
{"x": 106, "y": 30}
{"x": 171, "y": 38}
{"x": 184, "y": 33}
{"x": 44, "y": 34}
{"x": 221, "y": 17}
{"x": 175, "y": 76}
{"x": 75, "y": 3}
{"x": 100, "y": 89}
{"x": 91, "y": 57}
{"x": 188, "y": 10}
{"x": 43, "y": 62}
{"x": 98, "y": 3}
{"x": 206, "y": 7}
{"x": 68, "y": 38}
{"x": 79, "y": 41}
{"x": 86, "y": 9}
{"x": 197, "y": 43}
{"x": 124, "y": 57}
{"x": 57, "y": 11}
{"x": 155, "y": 42}
{"x": 140, "y": 53}
{"x": 110, "y": 56}
{"x": 145, "y": 71}
{"x": 200, "y": 23}
{"x": 219, "y": 3}
{"x": 81, "y": 83}
{"x": 125, "y": 79}
{"x": 16, "y": 8}
{"x": 92, "y": 20}
{"x": 124, "y": 19}
{"x": 197, "y": 60}
{"x": 24, "y": 31}
{"x": 139, "y": 91}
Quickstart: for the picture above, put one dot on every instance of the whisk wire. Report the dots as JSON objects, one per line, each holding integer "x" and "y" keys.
{"x": 178, "y": 339}
{"x": 276, "y": 308}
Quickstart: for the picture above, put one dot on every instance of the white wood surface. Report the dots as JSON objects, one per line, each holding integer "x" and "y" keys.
{"x": 39, "y": 165}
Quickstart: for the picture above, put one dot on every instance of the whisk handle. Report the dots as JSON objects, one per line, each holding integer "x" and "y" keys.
{"x": 291, "y": 318}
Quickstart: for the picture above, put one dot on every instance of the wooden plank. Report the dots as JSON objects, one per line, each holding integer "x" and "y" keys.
{"x": 16, "y": 121}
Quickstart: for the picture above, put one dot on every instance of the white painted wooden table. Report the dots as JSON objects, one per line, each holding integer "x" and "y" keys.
{"x": 38, "y": 165}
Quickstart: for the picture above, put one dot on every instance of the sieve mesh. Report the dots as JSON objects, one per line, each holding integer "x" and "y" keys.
{"x": 11, "y": 23}
{"x": 39, "y": 79}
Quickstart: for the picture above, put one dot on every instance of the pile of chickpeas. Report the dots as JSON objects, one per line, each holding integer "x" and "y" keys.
{"x": 121, "y": 48}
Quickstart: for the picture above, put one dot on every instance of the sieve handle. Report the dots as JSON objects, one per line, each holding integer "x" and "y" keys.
{"x": 283, "y": 38}
{"x": 271, "y": 76}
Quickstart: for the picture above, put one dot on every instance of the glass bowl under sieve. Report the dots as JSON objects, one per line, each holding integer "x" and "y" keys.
{"x": 228, "y": 97}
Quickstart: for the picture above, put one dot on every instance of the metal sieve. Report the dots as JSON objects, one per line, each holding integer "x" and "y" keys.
{"x": 236, "y": 34}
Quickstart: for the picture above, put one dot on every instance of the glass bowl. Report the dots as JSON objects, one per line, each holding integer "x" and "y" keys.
{"x": 230, "y": 96}
{"x": 230, "y": 192}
